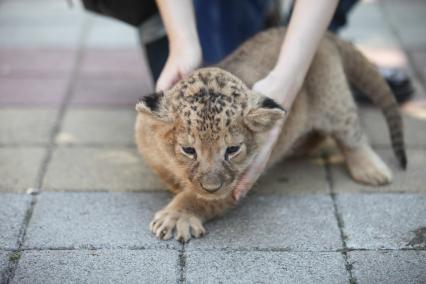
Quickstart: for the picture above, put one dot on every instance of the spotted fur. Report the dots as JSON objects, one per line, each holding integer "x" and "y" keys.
{"x": 214, "y": 108}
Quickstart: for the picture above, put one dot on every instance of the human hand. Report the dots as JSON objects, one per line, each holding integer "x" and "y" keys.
{"x": 185, "y": 51}
{"x": 285, "y": 80}
{"x": 181, "y": 62}
{"x": 270, "y": 86}
{"x": 258, "y": 165}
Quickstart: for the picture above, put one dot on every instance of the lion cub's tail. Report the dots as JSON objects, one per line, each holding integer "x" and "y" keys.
{"x": 364, "y": 76}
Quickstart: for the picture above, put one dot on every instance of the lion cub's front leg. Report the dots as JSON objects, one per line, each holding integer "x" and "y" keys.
{"x": 186, "y": 214}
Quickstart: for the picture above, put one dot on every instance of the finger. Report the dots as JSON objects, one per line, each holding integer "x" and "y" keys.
{"x": 166, "y": 76}
{"x": 162, "y": 82}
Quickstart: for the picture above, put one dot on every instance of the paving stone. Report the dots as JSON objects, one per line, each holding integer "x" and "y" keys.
{"x": 114, "y": 63}
{"x": 293, "y": 176}
{"x": 95, "y": 220}
{"x": 111, "y": 33}
{"x": 32, "y": 91}
{"x": 411, "y": 180}
{"x": 419, "y": 61}
{"x": 264, "y": 267}
{"x": 383, "y": 221}
{"x": 19, "y": 167}
{"x": 385, "y": 57}
{"x": 392, "y": 267}
{"x": 91, "y": 266}
{"x": 20, "y": 125}
{"x": 109, "y": 168}
{"x": 368, "y": 26}
{"x": 43, "y": 14}
{"x": 98, "y": 126}
{"x": 41, "y": 36}
{"x": 4, "y": 262}
{"x": 12, "y": 213}
{"x": 36, "y": 63}
{"x": 296, "y": 222}
{"x": 408, "y": 21}
{"x": 377, "y": 131}
{"x": 118, "y": 92}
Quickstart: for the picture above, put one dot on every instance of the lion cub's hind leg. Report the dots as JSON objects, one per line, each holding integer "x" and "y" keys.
{"x": 364, "y": 165}
{"x": 334, "y": 112}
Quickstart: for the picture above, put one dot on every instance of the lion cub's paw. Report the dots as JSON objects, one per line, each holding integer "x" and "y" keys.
{"x": 185, "y": 224}
{"x": 368, "y": 168}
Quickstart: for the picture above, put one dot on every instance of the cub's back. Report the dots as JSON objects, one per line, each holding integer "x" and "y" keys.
{"x": 257, "y": 56}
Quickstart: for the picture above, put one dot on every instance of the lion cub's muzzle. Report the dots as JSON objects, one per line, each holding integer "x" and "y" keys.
{"x": 211, "y": 182}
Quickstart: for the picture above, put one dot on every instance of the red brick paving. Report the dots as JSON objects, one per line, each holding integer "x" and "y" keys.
{"x": 32, "y": 91}
{"x": 109, "y": 92}
{"x": 36, "y": 62}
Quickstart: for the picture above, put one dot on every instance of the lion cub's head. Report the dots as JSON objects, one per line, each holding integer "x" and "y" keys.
{"x": 212, "y": 126}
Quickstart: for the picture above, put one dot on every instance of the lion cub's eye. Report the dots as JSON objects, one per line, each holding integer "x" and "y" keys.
{"x": 230, "y": 151}
{"x": 190, "y": 151}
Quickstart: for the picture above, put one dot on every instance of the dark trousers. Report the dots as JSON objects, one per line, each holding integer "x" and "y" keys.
{"x": 222, "y": 24}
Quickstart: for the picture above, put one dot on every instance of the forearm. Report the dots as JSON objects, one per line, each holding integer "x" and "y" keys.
{"x": 179, "y": 21}
{"x": 184, "y": 48}
{"x": 307, "y": 26}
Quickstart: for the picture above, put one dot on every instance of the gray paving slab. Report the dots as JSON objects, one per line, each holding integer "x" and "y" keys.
{"x": 377, "y": 130}
{"x": 19, "y": 167}
{"x": 408, "y": 21}
{"x": 383, "y": 221}
{"x": 41, "y": 36}
{"x": 97, "y": 266}
{"x": 411, "y": 180}
{"x": 95, "y": 220}
{"x": 392, "y": 267}
{"x": 264, "y": 267}
{"x": 293, "y": 176}
{"x": 293, "y": 222}
{"x": 110, "y": 33}
{"x": 419, "y": 61}
{"x": 98, "y": 126}
{"x": 368, "y": 27}
{"x": 4, "y": 263}
{"x": 42, "y": 14}
{"x": 23, "y": 125}
{"x": 12, "y": 213}
{"x": 108, "y": 168}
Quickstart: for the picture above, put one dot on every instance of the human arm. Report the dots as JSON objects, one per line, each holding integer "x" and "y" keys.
{"x": 307, "y": 26}
{"x": 184, "y": 47}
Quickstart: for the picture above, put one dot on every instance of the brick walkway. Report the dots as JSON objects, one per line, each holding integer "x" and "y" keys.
{"x": 76, "y": 199}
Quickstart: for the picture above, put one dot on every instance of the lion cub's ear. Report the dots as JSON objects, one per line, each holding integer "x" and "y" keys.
{"x": 262, "y": 113}
{"x": 154, "y": 105}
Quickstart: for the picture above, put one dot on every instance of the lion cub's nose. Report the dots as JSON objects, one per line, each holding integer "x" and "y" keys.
{"x": 211, "y": 183}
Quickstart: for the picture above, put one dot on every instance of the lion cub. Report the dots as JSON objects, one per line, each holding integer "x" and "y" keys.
{"x": 201, "y": 135}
